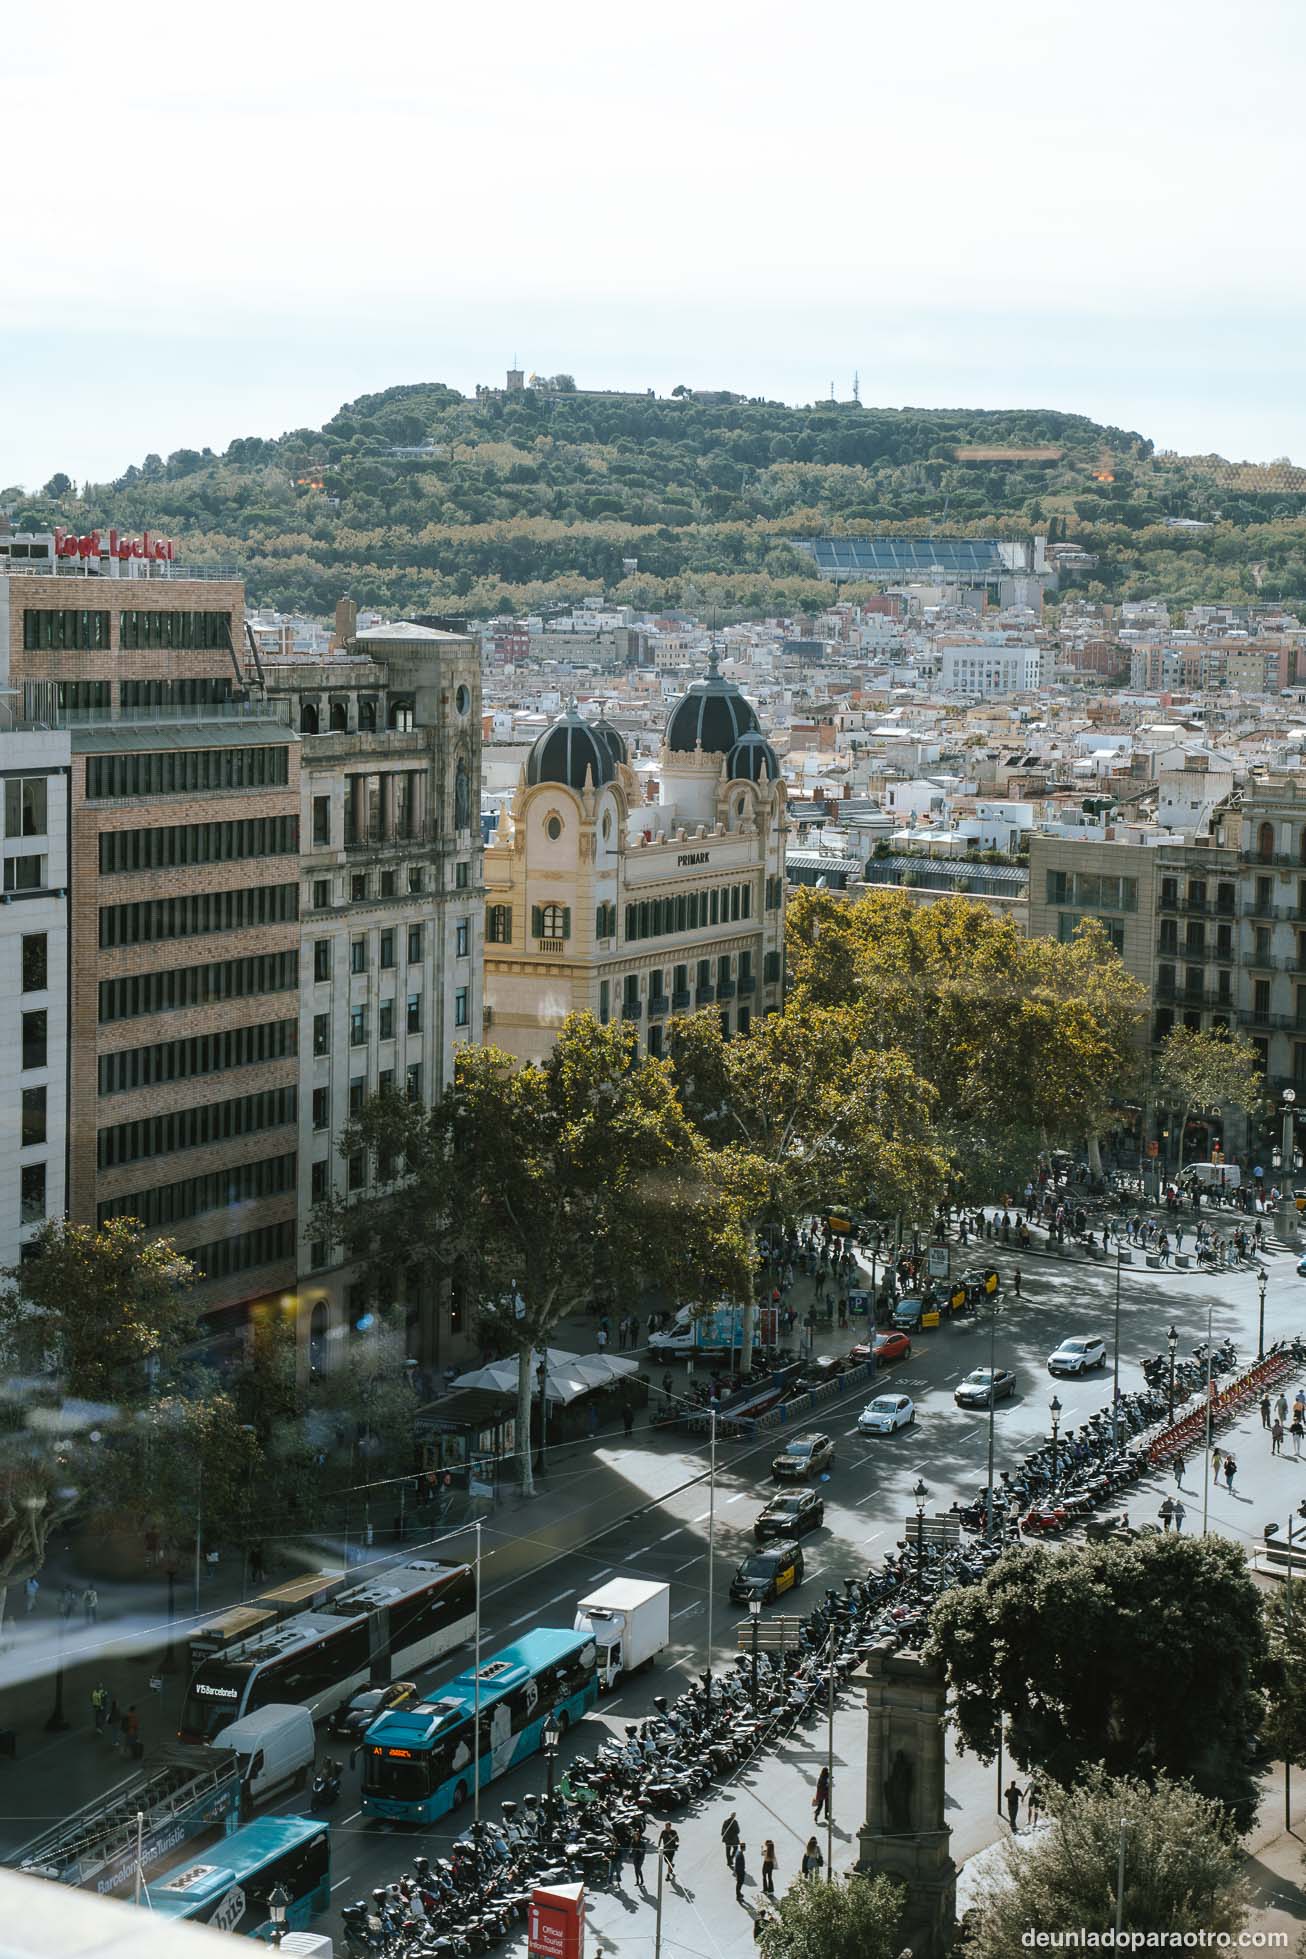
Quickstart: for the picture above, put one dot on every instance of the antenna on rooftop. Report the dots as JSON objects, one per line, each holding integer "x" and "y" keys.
{"x": 857, "y": 387}
{"x": 832, "y": 390}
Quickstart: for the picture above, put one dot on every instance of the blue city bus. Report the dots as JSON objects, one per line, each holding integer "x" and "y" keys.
{"x": 417, "y": 1761}
{"x": 228, "y": 1886}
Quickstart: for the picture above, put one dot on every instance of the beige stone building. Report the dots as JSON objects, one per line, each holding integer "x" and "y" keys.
{"x": 600, "y": 901}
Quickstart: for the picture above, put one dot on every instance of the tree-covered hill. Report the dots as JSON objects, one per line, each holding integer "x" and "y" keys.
{"x": 418, "y": 499}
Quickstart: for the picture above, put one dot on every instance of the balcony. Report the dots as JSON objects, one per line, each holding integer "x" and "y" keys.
{"x": 1278, "y": 1023}
{"x": 747, "y": 985}
{"x": 631, "y": 1009}
{"x": 658, "y": 1006}
{"x": 725, "y": 989}
{"x": 550, "y": 945}
{"x": 679, "y": 999}
{"x": 704, "y": 995}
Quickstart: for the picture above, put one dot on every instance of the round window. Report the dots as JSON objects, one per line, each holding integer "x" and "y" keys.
{"x": 553, "y": 828}
{"x": 462, "y": 700}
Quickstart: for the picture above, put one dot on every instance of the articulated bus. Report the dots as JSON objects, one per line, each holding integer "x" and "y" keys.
{"x": 417, "y": 1761}
{"x": 228, "y": 1886}
{"x": 397, "y": 1622}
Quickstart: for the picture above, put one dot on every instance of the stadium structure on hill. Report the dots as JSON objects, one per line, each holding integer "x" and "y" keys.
{"x": 1003, "y": 571}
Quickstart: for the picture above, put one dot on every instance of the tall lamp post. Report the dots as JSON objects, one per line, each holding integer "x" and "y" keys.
{"x": 1288, "y": 1162}
{"x": 550, "y": 1736}
{"x": 542, "y": 1376}
{"x": 1260, "y": 1323}
{"x": 1054, "y": 1408}
{"x": 711, "y": 1551}
{"x": 920, "y": 1493}
{"x": 1172, "y": 1342}
{"x": 993, "y": 1403}
{"x": 1115, "y": 1358}
{"x": 755, "y": 1614}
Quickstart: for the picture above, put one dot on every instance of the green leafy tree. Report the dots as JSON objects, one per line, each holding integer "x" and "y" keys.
{"x": 98, "y": 1307}
{"x": 806, "y": 1115}
{"x": 58, "y": 486}
{"x": 1204, "y": 1073}
{"x": 852, "y": 1918}
{"x": 1183, "y": 1867}
{"x": 1088, "y": 1656}
{"x": 184, "y": 1465}
{"x": 1283, "y": 1729}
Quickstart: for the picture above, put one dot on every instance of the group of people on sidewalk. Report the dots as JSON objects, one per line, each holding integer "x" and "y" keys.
{"x": 1274, "y": 1417}
{"x": 69, "y": 1600}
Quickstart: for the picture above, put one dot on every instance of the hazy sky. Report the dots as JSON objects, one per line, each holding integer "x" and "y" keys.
{"x": 226, "y": 221}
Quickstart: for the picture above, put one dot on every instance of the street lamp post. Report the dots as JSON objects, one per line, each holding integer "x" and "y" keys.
{"x": 1115, "y": 1358}
{"x": 993, "y": 1403}
{"x": 711, "y": 1551}
{"x": 1172, "y": 1341}
{"x": 278, "y": 1904}
{"x": 550, "y": 1736}
{"x": 1054, "y": 1407}
{"x": 755, "y": 1614}
{"x": 920, "y": 1493}
{"x": 1260, "y": 1323}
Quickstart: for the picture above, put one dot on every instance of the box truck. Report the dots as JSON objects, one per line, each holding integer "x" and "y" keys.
{"x": 631, "y": 1623}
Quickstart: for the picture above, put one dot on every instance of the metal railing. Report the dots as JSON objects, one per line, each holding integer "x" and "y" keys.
{"x": 134, "y": 570}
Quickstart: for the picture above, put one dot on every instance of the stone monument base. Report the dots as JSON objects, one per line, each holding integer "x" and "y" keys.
{"x": 920, "y": 1862}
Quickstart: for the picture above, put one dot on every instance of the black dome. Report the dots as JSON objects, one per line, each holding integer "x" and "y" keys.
{"x": 751, "y": 758}
{"x": 566, "y": 751}
{"x": 612, "y": 738}
{"x": 712, "y": 715}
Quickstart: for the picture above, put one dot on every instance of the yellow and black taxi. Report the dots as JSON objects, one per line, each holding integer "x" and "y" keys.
{"x": 352, "y": 1720}
{"x": 768, "y": 1574}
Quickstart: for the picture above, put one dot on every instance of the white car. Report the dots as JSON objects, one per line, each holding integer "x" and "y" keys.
{"x": 886, "y": 1413}
{"x": 1077, "y": 1356}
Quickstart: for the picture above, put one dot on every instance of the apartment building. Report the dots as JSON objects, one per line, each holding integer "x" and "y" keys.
{"x": 599, "y": 901}
{"x": 34, "y": 775}
{"x": 183, "y": 903}
{"x": 391, "y": 905}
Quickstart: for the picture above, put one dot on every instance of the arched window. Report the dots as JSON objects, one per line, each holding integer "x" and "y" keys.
{"x": 317, "y": 1338}
{"x": 367, "y": 714}
{"x": 1265, "y": 843}
{"x": 461, "y": 798}
{"x": 551, "y": 921}
{"x": 339, "y": 718}
{"x": 308, "y": 718}
{"x": 401, "y": 715}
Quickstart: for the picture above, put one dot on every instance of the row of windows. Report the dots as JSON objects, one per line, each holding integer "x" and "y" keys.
{"x": 174, "y": 771}
{"x": 197, "y": 986}
{"x": 214, "y": 1191}
{"x": 156, "y": 919}
{"x": 195, "y": 1128}
{"x": 203, "y": 690}
{"x": 187, "y": 630}
{"x": 358, "y": 950}
{"x": 652, "y": 918}
{"x": 1092, "y": 891}
{"x": 388, "y": 885}
{"x": 64, "y": 629}
{"x": 201, "y": 1054}
{"x": 267, "y": 1246}
{"x": 166, "y": 848}
{"x": 79, "y": 695}
{"x": 1068, "y": 923}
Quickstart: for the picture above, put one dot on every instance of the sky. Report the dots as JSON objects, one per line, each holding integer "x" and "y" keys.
{"x": 227, "y": 222}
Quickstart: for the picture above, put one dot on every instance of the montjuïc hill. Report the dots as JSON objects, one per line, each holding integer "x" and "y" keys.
{"x": 422, "y": 499}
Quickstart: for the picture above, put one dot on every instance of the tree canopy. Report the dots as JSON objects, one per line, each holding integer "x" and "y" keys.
{"x": 1182, "y": 1865}
{"x": 1089, "y": 1655}
{"x": 852, "y": 1918}
{"x": 1200, "y": 1072}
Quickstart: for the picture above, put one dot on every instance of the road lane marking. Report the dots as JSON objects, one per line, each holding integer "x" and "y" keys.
{"x": 343, "y": 1880}
{"x": 520, "y": 1620}
{"x": 557, "y": 1598}
{"x": 738, "y": 1497}
{"x": 685, "y": 1610}
{"x": 703, "y": 1519}
{"x": 354, "y": 1818}
{"x": 686, "y": 1565}
{"x": 670, "y": 1534}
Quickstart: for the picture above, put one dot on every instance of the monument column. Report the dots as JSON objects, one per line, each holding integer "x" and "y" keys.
{"x": 905, "y": 1835}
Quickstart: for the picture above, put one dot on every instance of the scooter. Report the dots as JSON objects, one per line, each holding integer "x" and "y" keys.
{"x": 326, "y": 1787}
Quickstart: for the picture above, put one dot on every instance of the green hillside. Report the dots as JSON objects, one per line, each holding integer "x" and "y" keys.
{"x": 540, "y": 496}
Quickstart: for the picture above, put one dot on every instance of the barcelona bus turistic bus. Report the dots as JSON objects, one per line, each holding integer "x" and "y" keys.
{"x": 229, "y": 1886}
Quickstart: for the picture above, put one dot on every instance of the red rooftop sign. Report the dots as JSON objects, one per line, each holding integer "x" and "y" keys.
{"x": 98, "y": 544}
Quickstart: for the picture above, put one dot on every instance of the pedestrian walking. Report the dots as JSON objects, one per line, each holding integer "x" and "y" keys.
{"x": 1033, "y": 1804}
{"x": 813, "y": 1861}
{"x": 99, "y": 1706}
{"x": 1177, "y": 1465}
{"x": 1167, "y": 1513}
{"x": 1230, "y": 1471}
{"x": 1296, "y": 1431}
{"x": 1217, "y": 1458}
{"x": 1265, "y": 1411}
{"x": 1299, "y": 1404}
{"x": 821, "y": 1800}
{"x": 669, "y": 1844}
{"x": 730, "y": 1836}
{"x": 1012, "y": 1796}
{"x": 628, "y": 1419}
{"x": 257, "y": 1569}
{"x": 601, "y": 1338}
{"x": 1015, "y": 1281}
{"x": 1179, "y": 1514}
{"x": 67, "y": 1602}
{"x": 740, "y": 1869}
{"x": 31, "y": 1591}
{"x": 90, "y": 1604}
{"x": 1276, "y": 1438}
{"x": 768, "y": 1869}
{"x": 592, "y": 1422}
{"x": 1281, "y": 1406}
{"x": 638, "y": 1852}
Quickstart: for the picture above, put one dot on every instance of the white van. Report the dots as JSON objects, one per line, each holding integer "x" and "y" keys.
{"x": 276, "y": 1748}
{"x": 1215, "y": 1176}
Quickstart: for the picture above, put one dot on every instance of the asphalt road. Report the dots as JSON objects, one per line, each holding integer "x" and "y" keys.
{"x": 868, "y": 1501}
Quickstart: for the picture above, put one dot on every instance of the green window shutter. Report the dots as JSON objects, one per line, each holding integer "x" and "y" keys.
{"x": 537, "y": 921}
{"x": 566, "y": 921}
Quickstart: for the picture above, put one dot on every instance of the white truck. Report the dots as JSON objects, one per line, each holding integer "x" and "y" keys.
{"x": 631, "y": 1623}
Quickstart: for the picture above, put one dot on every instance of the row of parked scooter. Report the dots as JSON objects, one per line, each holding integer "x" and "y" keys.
{"x": 469, "y": 1902}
